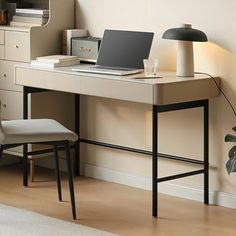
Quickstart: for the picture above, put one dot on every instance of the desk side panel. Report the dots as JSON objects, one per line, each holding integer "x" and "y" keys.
{"x": 82, "y": 84}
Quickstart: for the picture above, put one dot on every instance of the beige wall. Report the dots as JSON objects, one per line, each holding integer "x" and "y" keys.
{"x": 130, "y": 123}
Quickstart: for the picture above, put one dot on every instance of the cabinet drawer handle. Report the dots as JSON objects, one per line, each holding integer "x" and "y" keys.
{"x": 5, "y": 75}
{"x": 16, "y": 46}
{"x": 4, "y": 105}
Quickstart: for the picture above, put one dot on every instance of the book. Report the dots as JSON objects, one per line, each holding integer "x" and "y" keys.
{"x": 36, "y": 20}
{"x": 24, "y": 24}
{"x": 32, "y": 15}
{"x": 54, "y": 65}
{"x": 57, "y": 58}
{"x": 66, "y": 38}
{"x": 32, "y": 11}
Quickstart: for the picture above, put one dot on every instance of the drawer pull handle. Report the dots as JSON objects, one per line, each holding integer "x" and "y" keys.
{"x": 16, "y": 46}
{"x": 4, "y": 105}
{"x": 5, "y": 75}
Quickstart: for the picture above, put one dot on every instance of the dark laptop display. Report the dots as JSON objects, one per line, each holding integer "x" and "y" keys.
{"x": 124, "y": 49}
{"x": 121, "y": 52}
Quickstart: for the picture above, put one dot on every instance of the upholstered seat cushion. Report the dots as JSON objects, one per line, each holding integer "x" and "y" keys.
{"x": 35, "y": 130}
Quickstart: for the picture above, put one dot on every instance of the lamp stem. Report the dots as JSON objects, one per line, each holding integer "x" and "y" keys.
{"x": 185, "y": 62}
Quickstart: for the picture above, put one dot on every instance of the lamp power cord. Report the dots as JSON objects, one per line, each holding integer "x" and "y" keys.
{"x": 219, "y": 88}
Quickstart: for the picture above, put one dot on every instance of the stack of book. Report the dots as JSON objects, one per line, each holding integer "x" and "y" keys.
{"x": 55, "y": 61}
{"x": 28, "y": 17}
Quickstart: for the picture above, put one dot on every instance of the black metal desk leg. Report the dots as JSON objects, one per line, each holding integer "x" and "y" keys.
{"x": 25, "y": 146}
{"x": 154, "y": 160}
{"x": 206, "y": 153}
{"x": 77, "y": 131}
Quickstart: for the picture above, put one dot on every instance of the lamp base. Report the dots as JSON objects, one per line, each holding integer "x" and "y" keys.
{"x": 185, "y": 63}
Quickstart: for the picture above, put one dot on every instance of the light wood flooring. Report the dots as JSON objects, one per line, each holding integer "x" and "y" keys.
{"x": 115, "y": 208}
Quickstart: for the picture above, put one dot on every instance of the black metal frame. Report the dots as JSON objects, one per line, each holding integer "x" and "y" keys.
{"x": 156, "y": 109}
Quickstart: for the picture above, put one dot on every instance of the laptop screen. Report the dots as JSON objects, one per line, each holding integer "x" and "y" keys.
{"x": 124, "y": 49}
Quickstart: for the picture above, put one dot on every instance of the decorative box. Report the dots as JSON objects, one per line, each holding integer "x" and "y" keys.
{"x": 86, "y": 48}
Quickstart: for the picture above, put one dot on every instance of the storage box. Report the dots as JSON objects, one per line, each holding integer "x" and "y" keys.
{"x": 67, "y": 35}
{"x": 86, "y": 48}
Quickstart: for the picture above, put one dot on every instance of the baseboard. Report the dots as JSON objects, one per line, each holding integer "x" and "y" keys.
{"x": 215, "y": 197}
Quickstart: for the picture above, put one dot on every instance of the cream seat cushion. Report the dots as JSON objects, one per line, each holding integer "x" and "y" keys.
{"x": 35, "y": 130}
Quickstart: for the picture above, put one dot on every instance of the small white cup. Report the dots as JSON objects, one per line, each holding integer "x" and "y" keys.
{"x": 150, "y": 67}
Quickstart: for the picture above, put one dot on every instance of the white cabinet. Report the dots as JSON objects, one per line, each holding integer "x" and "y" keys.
{"x": 7, "y": 76}
{"x": 2, "y": 40}
{"x": 23, "y": 44}
{"x": 2, "y": 37}
{"x": 11, "y": 105}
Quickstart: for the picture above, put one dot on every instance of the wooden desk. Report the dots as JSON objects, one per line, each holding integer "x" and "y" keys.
{"x": 168, "y": 93}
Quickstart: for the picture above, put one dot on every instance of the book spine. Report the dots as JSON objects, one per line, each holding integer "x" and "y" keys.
{"x": 32, "y": 11}
{"x": 30, "y": 19}
{"x": 32, "y": 15}
{"x": 67, "y": 35}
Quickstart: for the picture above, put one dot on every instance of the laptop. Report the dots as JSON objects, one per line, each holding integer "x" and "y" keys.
{"x": 121, "y": 53}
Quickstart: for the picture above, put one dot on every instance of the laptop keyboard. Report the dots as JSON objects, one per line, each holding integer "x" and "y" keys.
{"x": 111, "y": 68}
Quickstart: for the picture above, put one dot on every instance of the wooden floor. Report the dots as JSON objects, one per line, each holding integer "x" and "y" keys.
{"x": 115, "y": 208}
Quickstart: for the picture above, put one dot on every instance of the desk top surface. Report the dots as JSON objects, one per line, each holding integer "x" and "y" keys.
{"x": 162, "y": 78}
{"x": 166, "y": 89}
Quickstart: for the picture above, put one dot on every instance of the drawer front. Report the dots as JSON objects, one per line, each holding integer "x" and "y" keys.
{"x": 11, "y": 105}
{"x": 17, "y": 46}
{"x": 2, "y": 39}
{"x": 7, "y": 77}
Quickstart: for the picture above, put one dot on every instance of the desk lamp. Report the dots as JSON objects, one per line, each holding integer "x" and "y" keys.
{"x": 185, "y": 36}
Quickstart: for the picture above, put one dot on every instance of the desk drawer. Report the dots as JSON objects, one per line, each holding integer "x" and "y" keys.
{"x": 7, "y": 77}
{"x": 11, "y": 105}
{"x": 17, "y": 46}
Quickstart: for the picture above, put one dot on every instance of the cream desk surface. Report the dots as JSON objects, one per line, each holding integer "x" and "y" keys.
{"x": 167, "y": 89}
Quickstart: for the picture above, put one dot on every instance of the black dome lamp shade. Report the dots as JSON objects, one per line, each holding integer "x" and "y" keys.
{"x": 185, "y": 35}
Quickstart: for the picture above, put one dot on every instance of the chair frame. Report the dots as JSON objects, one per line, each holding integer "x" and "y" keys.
{"x": 55, "y": 145}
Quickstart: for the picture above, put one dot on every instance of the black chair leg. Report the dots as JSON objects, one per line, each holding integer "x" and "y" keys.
{"x": 57, "y": 172}
{"x": 25, "y": 165}
{"x": 71, "y": 184}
